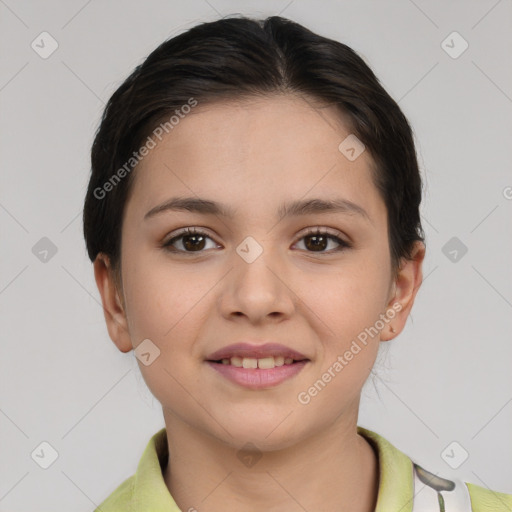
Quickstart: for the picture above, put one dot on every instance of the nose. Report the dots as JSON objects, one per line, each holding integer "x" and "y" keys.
{"x": 257, "y": 290}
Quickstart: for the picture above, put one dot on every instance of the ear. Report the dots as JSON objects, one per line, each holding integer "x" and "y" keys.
{"x": 113, "y": 308}
{"x": 405, "y": 287}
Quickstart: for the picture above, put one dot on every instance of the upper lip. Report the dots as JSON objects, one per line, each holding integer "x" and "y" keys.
{"x": 255, "y": 351}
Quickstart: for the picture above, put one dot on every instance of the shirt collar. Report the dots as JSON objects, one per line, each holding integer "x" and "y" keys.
{"x": 396, "y": 478}
{"x": 149, "y": 489}
{"x": 396, "y": 485}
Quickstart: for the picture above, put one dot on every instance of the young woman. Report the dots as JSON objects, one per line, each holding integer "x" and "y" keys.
{"x": 253, "y": 219}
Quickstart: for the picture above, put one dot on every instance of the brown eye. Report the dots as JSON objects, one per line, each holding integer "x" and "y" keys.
{"x": 193, "y": 242}
{"x": 188, "y": 241}
{"x": 318, "y": 241}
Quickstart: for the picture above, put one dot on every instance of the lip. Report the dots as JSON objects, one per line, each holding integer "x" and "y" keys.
{"x": 255, "y": 351}
{"x": 256, "y": 378}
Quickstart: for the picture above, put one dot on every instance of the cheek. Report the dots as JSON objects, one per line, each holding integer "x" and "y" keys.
{"x": 347, "y": 312}
{"x": 347, "y": 306}
{"x": 164, "y": 306}
{"x": 159, "y": 297}
{"x": 350, "y": 298}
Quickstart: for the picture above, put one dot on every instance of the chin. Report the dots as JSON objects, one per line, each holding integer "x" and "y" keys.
{"x": 270, "y": 434}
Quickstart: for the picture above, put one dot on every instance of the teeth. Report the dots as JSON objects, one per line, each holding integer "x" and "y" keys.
{"x": 249, "y": 362}
{"x": 237, "y": 361}
{"x": 265, "y": 363}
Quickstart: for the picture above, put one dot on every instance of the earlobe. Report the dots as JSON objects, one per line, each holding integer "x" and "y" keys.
{"x": 115, "y": 316}
{"x": 406, "y": 286}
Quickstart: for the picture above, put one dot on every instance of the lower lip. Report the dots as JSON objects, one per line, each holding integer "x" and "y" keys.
{"x": 256, "y": 378}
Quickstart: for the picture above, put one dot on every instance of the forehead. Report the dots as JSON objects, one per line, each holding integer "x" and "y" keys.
{"x": 255, "y": 151}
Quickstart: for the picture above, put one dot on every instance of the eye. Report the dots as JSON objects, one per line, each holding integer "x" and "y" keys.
{"x": 317, "y": 240}
{"x": 190, "y": 239}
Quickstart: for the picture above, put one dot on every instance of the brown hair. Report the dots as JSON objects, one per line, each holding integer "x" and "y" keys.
{"x": 238, "y": 57}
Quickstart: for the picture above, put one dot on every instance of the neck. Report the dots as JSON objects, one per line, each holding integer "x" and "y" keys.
{"x": 336, "y": 469}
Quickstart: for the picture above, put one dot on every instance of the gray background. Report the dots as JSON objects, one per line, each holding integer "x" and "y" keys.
{"x": 446, "y": 378}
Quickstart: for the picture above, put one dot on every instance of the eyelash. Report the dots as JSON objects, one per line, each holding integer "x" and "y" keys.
{"x": 312, "y": 232}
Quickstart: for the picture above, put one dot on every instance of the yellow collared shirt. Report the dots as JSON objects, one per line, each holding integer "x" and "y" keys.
{"x": 403, "y": 485}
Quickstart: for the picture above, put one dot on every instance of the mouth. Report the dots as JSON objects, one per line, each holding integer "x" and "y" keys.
{"x": 263, "y": 363}
{"x": 257, "y": 366}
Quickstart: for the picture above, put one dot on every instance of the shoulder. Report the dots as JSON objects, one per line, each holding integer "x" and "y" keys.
{"x": 120, "y": 499}
{"x": 405, "y": 485}
{"x": 146, "y": 489}
{"x": 487, "y": 500}
{"x": 455, "y": 495}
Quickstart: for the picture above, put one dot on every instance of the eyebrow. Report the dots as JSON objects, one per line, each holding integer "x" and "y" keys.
{"x": 291, "y": 209}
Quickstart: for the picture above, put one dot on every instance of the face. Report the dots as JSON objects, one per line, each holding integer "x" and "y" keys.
{"x": 251, "y": 275}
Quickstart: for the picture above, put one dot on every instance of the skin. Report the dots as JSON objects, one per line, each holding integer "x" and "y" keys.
{"x": 252, "y": 156}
